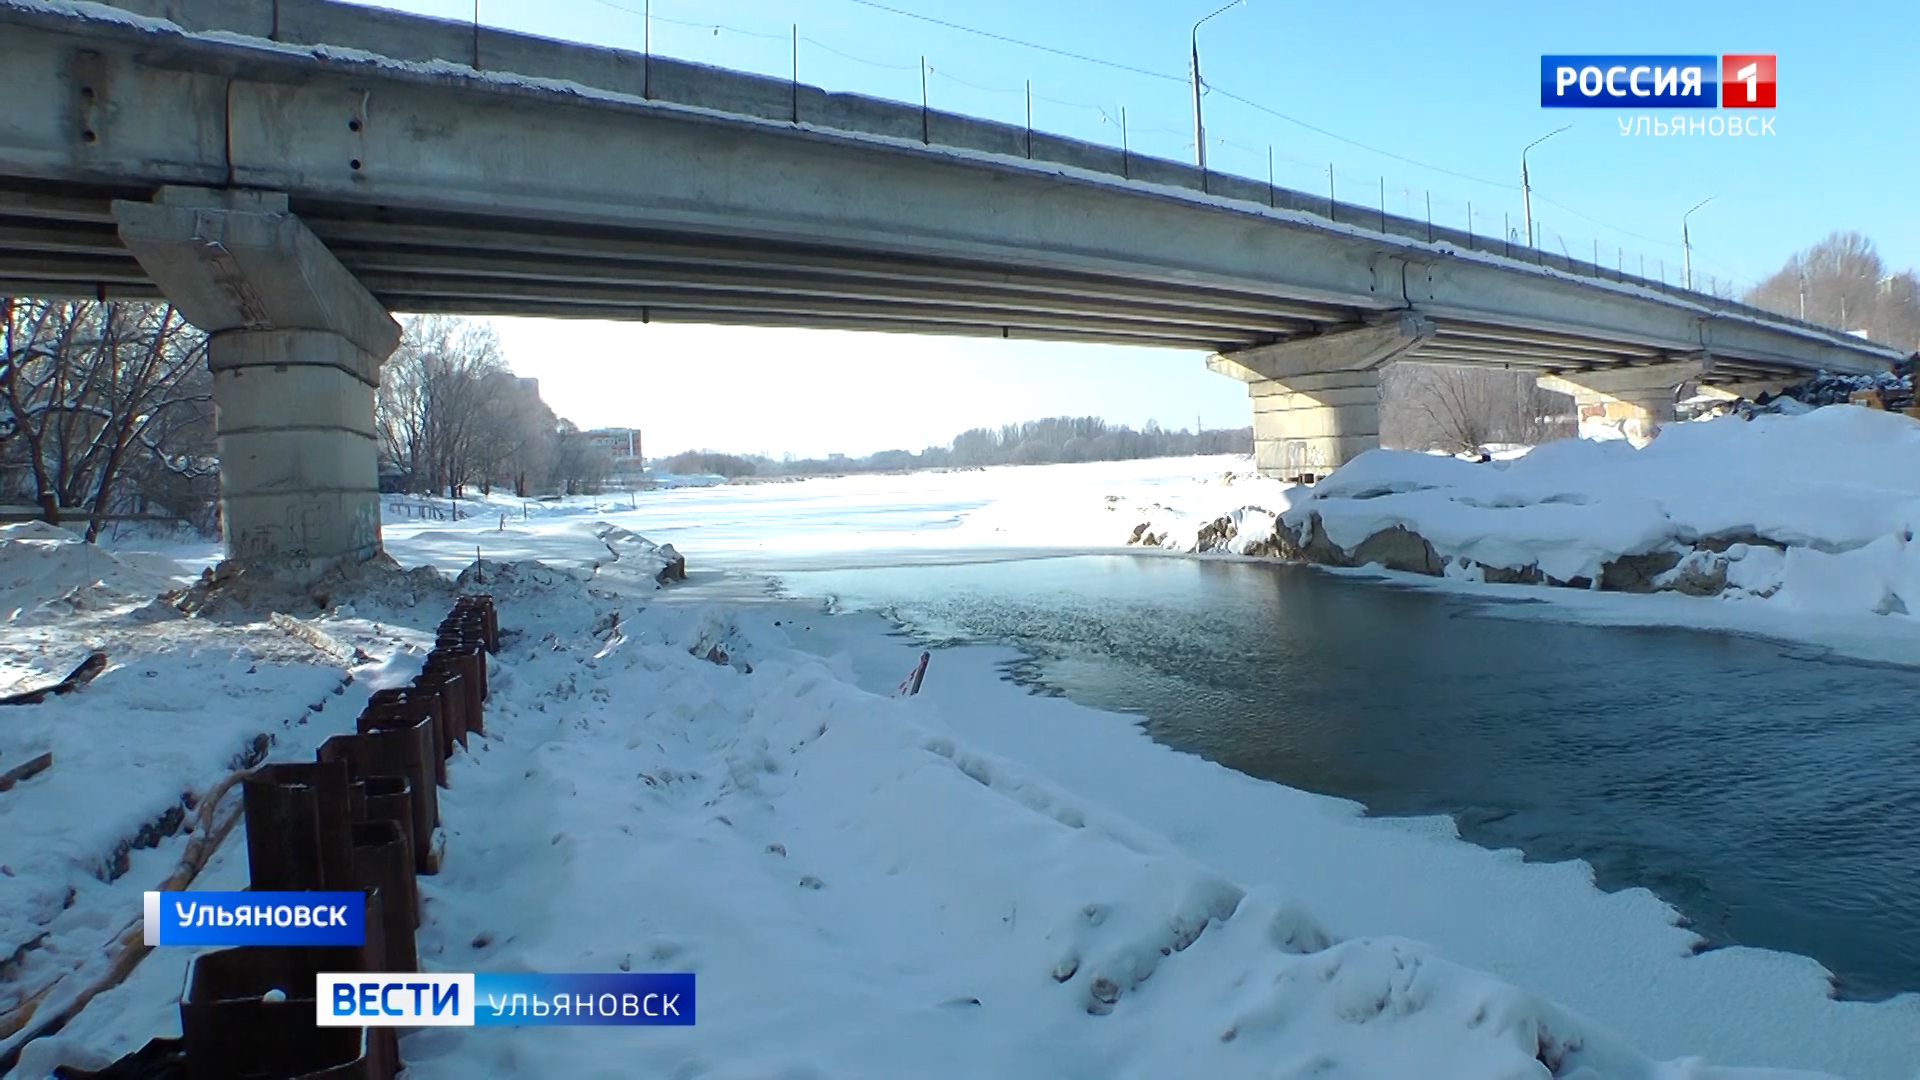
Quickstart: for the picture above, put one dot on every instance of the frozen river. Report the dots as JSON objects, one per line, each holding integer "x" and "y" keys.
{"x": 1767, "y": 791}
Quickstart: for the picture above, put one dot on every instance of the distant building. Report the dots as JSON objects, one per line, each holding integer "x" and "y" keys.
{"x": 621, "y": 444}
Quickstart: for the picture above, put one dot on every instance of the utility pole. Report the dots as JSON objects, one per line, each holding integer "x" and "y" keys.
{"x": 1686, "y": 244}
{"x": 1199, "y": 126}
{"x": 1526, "y": 187}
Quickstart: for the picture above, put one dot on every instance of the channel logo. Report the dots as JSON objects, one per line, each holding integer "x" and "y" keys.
{"x": 1732, "y": 81}
{"x": 503, "y": 998}
{"x": 1746, "y": 81}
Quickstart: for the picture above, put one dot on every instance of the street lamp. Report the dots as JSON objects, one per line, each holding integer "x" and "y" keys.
{"x": 1526, "y": 189}
{"x": 1200, "y": 129}
{"x": 1686, "y": 243}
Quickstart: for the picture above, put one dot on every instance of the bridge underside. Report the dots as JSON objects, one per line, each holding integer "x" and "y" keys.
{"x": 1309, "y": 416}
{"x": 65, "y": 242}
{"x": 61, "y": 240}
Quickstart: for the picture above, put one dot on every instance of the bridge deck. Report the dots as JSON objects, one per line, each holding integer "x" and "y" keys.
{"x": 447, "y": 190}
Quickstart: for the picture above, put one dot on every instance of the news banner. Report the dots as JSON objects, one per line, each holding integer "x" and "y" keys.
{"x": 1708, "y": 82}
{"x": 412, "y": 998}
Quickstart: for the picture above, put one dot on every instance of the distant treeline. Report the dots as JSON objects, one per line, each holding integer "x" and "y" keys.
{"x": 1035, "y": 442}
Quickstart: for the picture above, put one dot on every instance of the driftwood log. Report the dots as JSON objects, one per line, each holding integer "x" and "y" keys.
{"x": 32, "y": 767}
{"x": 93, "y": 665}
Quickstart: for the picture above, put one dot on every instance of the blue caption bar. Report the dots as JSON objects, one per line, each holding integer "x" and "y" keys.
{"x": 604, "y": 999}
{"x": 1616, "y": 82}
{"x": 256, "y": 918}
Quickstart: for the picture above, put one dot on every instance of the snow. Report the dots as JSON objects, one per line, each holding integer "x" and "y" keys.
{"x": 974, "y": 881}
{"x": 1807, "y": 514}
{"x": 46, "y": 573}
{"x": 876, "y": 886}
{"x": 139, "y": 738}
{"x": 1834, "y": 488}
{"x": 1002, "y": 512}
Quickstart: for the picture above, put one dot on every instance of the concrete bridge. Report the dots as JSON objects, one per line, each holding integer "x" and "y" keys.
{"x": 287, "y": 172}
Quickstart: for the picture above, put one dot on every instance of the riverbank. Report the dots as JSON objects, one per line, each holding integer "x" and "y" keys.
{"x": 934, "y": 852}
{"x": 1810, "y": 513}
{"x": 974, "y": 881}
{"x": 1790, "y": 527}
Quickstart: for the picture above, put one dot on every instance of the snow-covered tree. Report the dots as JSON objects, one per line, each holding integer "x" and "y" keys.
{"x": 107, "y": 408}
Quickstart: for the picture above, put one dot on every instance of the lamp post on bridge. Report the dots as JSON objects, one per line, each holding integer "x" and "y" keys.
{"x": 1200, "y": 128}
{"x": 1686, "y": 244}
{"x": 1526, "y": 188}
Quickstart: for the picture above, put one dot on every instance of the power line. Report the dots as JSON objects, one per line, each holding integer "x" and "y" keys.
{"x": 822, "y": 46}
{"x": 1115, "y": 65}
{"x": 1178, "y": 79}
{"x": 976, "y": 86}
{"x": 1596, "y": 221}
{"x": 1251, "y": 104}
{"x": 683, "y": 22}
{"x": 1016, "y": 41}
{"x": 717, "y": 27}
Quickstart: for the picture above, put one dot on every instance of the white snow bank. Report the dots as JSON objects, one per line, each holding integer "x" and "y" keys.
{"x": 1813, "y": 512}
{"x": 1617, "y": 958}
{"x": 586, "y": 548}
{"x": 1839, "y": 481}
{"x": 47, "y": 572}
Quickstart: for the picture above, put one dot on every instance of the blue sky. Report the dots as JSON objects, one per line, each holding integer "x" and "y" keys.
{"x": 1447, "y": 91}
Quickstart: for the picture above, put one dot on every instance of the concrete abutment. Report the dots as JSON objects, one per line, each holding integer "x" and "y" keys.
{"x": 1638, "y": 399}
{"x": 1310, "y": 425}
{"x": 295, "y": 344}
{"x": 1316, "y": 400}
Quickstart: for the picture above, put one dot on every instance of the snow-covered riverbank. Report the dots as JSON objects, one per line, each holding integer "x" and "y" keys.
{"x": 975, "y": 881}
{"x": 1814, "y": 513}
{"x": 1811, "y": 515}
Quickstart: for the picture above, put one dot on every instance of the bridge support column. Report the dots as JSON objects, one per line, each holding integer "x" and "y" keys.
{"x": 1316, "y": 400}
{"x": 295, "y": 344}
{"x": 1639, "y": 399}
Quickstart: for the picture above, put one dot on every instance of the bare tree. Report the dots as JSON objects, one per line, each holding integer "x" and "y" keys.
{"x": 97, "y": 393}
{"x": 516, "y": 436}
{"x": 1460, "y": 410}
{"x": 450, "y": 415}
{"x": 400, "y": 414}
{"x": 579, "y": 464}
{"x": 432, "y": 408}
{"x": 1843, "y": 283}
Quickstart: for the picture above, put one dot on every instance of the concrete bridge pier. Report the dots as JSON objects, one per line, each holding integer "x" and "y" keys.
{"x": 1640, "y": 399}
{"x": 295, "y": 344}
{"x": 1751, "y": 389}
{"x": 1316, "y": 400}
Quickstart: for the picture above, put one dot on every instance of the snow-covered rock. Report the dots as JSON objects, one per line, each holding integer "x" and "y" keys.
{"x": 1813, "y": 511}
